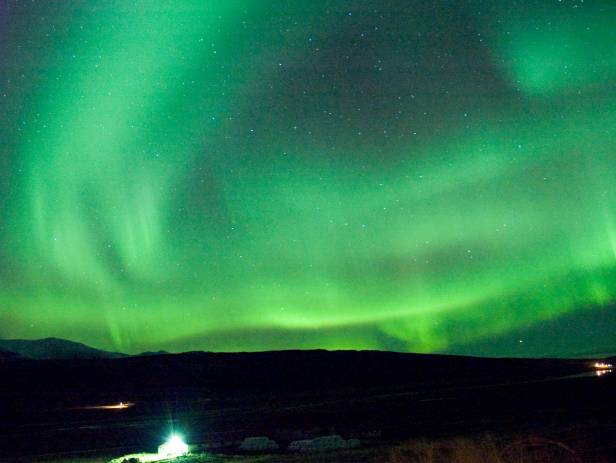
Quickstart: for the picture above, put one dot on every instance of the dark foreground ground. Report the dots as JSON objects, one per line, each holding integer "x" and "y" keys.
{"x": 402, "y": 407}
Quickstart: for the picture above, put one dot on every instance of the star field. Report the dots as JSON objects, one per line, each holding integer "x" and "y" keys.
{"x": 252, "y": 175}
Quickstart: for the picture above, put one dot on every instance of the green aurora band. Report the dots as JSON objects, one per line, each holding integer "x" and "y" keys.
{"x": 251, "y": 175}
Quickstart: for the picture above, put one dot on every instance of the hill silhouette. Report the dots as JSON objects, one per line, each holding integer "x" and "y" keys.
{"x": 52, "y": 348}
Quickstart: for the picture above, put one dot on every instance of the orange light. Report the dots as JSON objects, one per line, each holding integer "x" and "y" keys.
{"x": 118, "y": 406}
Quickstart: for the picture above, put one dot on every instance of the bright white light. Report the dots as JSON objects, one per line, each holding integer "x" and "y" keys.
{"x": 174, "y": 447}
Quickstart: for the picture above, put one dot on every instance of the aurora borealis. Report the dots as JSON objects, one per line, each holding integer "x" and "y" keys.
{"x": 252, "y": 175}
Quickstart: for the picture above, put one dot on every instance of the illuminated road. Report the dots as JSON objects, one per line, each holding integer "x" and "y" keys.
{"x": 118, "y": 406}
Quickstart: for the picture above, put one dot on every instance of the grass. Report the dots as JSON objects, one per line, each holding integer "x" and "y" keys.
{"x": 486, "y": 449}
{"x": 480, "y": 449}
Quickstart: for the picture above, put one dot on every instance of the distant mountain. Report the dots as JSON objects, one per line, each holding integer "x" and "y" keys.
{"x": 8, "y": 355}
{"x": 51, "y": 348}
{"x": 158, "y": 352}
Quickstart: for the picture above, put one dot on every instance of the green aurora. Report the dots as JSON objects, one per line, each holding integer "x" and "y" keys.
{"x": 252, "y": 175}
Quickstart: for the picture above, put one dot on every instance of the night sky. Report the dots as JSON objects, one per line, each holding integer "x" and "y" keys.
{"x": 250, "y": 175}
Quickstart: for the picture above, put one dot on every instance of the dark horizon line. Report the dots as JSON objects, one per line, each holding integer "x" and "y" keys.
{"x": 597, "y": 354}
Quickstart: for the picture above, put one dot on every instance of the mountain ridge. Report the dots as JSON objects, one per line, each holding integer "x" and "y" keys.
{"x": 53, "y": 348}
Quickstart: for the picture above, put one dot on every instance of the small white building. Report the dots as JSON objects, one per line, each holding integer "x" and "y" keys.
{"x": 324, "y": 444}
{"x": 174, "y": 447}
{"x": 258, "y": 444}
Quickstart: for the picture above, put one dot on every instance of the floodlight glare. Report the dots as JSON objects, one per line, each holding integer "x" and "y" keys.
{"x": 174, "y": 447}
